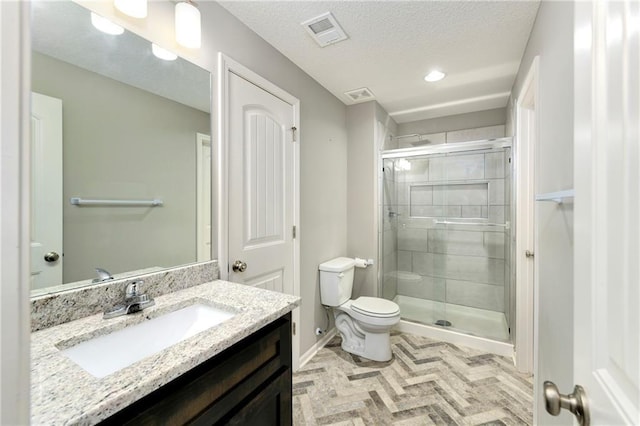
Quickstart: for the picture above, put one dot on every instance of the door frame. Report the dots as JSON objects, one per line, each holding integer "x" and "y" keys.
{"x": 226, "y": 66}
{"x": 201, "y": 141}
{"x": 15, "y": 180}
{"x": 527, "y": 131}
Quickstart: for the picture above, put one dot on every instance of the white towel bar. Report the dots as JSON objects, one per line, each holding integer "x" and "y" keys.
{"x": 77, "y": 201}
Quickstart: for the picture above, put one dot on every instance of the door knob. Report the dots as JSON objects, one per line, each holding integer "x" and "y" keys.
{"x": 52, "y": 256}
{"x": 575, "y": 402}
{"x": 239, "y": 266}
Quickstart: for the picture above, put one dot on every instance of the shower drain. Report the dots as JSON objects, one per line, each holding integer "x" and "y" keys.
{"x": 443, "y": 323}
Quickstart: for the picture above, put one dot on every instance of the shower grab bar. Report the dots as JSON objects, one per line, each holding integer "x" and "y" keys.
{"x": 77, "y": 201}
{"x": 505, "y": 225}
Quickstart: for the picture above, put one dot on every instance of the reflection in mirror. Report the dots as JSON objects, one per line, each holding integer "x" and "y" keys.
{"x": 114, "y": 124}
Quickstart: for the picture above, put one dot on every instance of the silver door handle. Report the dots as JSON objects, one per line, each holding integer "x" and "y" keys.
{"x": 528, "y": 253}
{"x": 51, "y": 257}
{"x": 575, "y": 402}
{"x": 239, "y": 266}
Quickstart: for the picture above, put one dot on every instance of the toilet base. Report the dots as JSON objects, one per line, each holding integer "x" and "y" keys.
{"x": 374, "y": 346}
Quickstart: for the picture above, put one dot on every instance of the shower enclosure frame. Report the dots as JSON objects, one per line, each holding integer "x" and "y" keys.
{"x": 432, "y": 331}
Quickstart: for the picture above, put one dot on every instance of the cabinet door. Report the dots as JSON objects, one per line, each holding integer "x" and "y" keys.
{"x": 271, "y": 406}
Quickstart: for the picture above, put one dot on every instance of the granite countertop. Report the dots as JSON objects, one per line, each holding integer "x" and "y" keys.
{"x": 63, "y": 393}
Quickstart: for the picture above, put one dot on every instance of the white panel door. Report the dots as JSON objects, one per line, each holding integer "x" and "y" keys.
{"x": 260, "y": 186}
{"x": 607, "y": 218}
{"x": 46, "y": 193}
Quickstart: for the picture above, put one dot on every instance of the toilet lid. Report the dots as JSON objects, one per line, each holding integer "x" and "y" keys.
{"x": 375, "y": 307}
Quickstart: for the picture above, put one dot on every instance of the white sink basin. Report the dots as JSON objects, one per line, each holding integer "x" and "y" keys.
{"x": 107, "y": 354}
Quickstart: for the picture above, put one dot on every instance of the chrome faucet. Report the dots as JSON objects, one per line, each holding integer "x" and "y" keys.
{"x": 103, "y": 275}
{"x": 134, "y": 301}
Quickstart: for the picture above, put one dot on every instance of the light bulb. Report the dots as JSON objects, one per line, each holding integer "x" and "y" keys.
{"x": 105, "y": 25}
{"x": 188, "y": 25}
{"x": 133, "y": 8}
{"x": 162, "y": 53}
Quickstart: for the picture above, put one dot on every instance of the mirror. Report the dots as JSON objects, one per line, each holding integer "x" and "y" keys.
{"x": 121, "y": 153}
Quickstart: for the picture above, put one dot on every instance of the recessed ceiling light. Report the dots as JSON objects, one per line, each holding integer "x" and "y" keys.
{"x": 105, "y": 25}
{"x": 162, "y": 53}
{"x": 434, "y": 76}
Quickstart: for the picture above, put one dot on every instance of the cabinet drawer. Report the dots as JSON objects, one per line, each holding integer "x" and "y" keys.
{"x": 217, "y": 390}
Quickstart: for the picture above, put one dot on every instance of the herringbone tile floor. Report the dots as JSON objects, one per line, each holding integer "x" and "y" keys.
{"x": 426, "y": 382}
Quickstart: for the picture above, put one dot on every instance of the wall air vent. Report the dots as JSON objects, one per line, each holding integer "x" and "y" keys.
{"x": 324, "y": 29}
{"x": 359, "y": 95}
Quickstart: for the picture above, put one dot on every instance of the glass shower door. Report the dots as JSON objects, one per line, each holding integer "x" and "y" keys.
{"x": 445, "y": 239}
{"x": 470, "y": 243}
{"x": 407, "y": 265}
{"x": 388, "y": 232}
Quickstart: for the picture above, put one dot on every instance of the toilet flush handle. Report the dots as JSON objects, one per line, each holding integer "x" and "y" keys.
{"x": 341, "y": 274}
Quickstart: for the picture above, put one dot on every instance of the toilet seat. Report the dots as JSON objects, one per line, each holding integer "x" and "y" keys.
{"x": 375, "y": 307}
{"x": 368, "y": 318}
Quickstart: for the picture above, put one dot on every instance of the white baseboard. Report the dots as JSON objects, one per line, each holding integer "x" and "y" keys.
{"x": 306, "y": 357}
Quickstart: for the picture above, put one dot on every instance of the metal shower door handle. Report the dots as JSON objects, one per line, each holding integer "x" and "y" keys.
{"x": 575, "y": 402}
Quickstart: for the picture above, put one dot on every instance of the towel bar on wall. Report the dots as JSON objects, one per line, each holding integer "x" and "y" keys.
{"x": 447, "y": 222}
{"x": 77, "y": 201}
{"x": 557, "y": 197}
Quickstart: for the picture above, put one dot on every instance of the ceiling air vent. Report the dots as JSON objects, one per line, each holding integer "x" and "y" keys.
{"x": 359, "y": 95}
{"x": 324, "y": 29}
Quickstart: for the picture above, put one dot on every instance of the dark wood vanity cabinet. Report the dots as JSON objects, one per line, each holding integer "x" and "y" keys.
{"x": 247, "y": 384}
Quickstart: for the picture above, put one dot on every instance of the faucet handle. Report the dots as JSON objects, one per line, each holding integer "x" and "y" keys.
{"x": 103, "y": 275}
{"x": 133, "y": 289}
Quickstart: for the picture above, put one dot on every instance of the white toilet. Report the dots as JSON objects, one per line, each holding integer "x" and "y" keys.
{"x": 364, "y": 323}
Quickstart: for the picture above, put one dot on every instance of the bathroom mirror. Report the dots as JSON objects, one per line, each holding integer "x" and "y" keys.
{"x": 121, "y": 153}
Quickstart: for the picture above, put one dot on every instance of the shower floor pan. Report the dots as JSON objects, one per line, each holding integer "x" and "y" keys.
{"x": 463, "y": 319}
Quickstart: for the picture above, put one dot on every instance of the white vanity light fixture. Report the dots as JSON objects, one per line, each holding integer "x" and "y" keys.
{"x": 133, "y": 8}
{"x": 434, "y": 75}
{"x": 188, "y": 25}
{"x": 162, "y": 53}
{"x": 105, "y": 25}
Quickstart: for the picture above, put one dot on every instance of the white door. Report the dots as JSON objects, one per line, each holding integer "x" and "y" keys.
{"x": 203, "y": 194}
{"x": 46, "y": 193}
{"x": 260, "y": 187}
{"x": 262, "y": 176}
{"x": 607, "y": 219}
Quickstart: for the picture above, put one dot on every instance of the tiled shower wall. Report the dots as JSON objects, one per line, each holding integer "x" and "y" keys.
{"x": 459, "y": 264}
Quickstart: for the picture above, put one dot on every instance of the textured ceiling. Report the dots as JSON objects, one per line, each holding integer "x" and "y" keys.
{"x": 63, "y": 30}
{"x": 393, "y": 44}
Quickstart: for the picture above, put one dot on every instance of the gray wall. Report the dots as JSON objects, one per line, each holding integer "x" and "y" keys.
{"x": 323, "y": 134}
{"x": 120, "y": 142}
{"x": 361, "y": 226}
{"x": 487, "y": 118}
{"x": 368, "y": 127}
{"x": 552, "y": 40}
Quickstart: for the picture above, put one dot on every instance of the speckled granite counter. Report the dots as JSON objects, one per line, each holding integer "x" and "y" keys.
{"x": 63, "y": 393}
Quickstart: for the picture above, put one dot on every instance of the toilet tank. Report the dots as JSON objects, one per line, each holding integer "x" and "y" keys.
{"x": 336, "y": 281}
